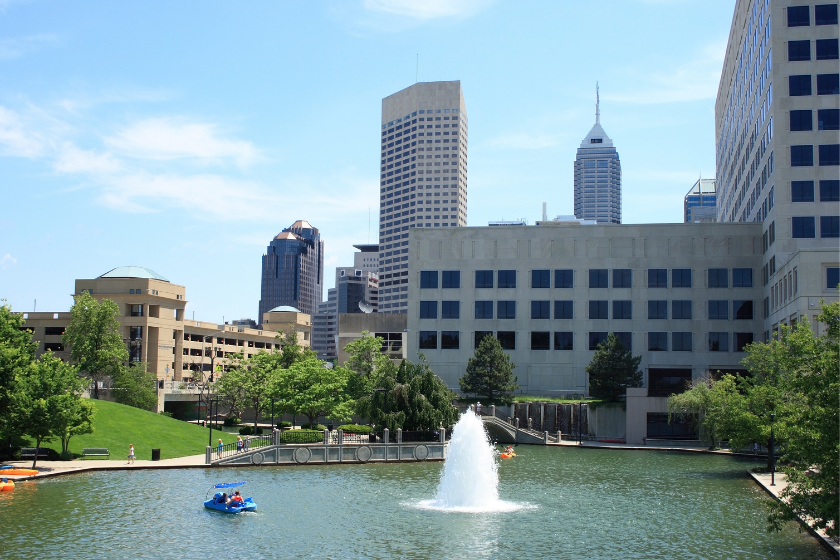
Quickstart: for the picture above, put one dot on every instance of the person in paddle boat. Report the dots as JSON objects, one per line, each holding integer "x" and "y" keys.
{"x": 508, "y": 449}
{"x": 223, "y": 499}
{"x": 236, "y": 500}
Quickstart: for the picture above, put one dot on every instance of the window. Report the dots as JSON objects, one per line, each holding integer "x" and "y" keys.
{"x": 505, "y": 310}
{"x": 828, "y": 119}
{"x": 681, "y": 278}
{"x": 801, "y": 120}
{"x": 830, "y": 154}
{"x": 540, "y": 341}
{"x": 484, "y": 310}
{"x": 799, "y": 50}
{"x": 719, "y": 309}
{"x": 596, "y": 338}
{"x": 825, "y": 14}
{"x": 664, "y": 382}
{"x": 657, "y": 309}
{"x": 827, "y": 49}
{"x": 450, "y": 340}
{"x": 625, "y": 338}
{"x": 828, "y": 84}
{"x": 802, "y": 191}
{"x": 657, "y": 342}
{"x": 657, "y": 278}
{"x": 718, "y": 342}
{"x": 564, "y": 309}
{"x": 450, "y": 310}
{"x": 428, "y": 340}
{"x": 599, "y": 309}
{"x": 681, "y": 309}
{"x": 58, "y": 331}
{"x": 799, "y": 16}
{"x": 483, "y": 278}
{"x": 622, "y": 278}
{"x": 136, "y": 310}
{"x": 801, "y": 156}
{"x": 53, "y": 347}
{"x": 507, "y": 278}
{"x": 832, "y": 277}
{"x": 563, "y": 341}
{"x": 681, "y": 342}
{"x": 829, "y": 226}
{"x": 564, "y": 278}
{"x": 742, "y": 277}
{"x": 799, "y": 85}
{"x": 451, "y": 278}
{"x": 599, "y": 278}
{"x": 830, "y": 191}
{"x": 742, "y": 309}
{"x": 803, "y": 227}
{"x": 428, "y": 279}
{"x": 428, "y": 310}
{"x": 742, "y": 339}
{"x": 540, "y": 278}
{"x": 718, "y": 277}
{"x": 135, "y": 333}
{"x": 622, "y": 309}
{"x": 540, "y": 310}
{"x": 479, "y": 336}
{"x": 507, "y": 339}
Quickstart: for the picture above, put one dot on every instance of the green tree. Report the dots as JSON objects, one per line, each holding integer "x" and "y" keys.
{"x": 254, "y": 381}
{"x": 367, "y": 361}
{"x": 17, "y": 352}
{"x": 308, "y": 388}
{"x": 94, "y": 339}
{"x": 490, "y": 372}
{"x": 612, "y": 370}
{"x": 134, "y": 386}
{"x": 290, "y": 350}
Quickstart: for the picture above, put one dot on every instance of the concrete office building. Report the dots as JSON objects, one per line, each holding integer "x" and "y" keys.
{"x": 325, "y": 327}
{"x": 700, "y": 202}
{"x": 423, "y": 176}
{"x": 777, "y": 118}
{"x": 598, "y": 175}
{"x": 367, "y": 258}
{"x": 293, "y": 270}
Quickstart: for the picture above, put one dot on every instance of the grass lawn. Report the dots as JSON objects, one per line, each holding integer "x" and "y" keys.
{"x": 115, "y": 426}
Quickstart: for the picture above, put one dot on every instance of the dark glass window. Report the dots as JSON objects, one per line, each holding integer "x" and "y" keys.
{"x": 681, "y": 309}
{"x": 828, "y": 84}
{"x": 564, "y": 309}
{"x": 507, "y": 279}
{"x": 540, "y": 278}
{"x": 540, "y": 341}
{"x": 505, "y": 310}
{"x": 59, "y": 347}
{"x": 801, "y": 120}
{"x": 829, "y": 226}
{"x": 596, "y": 338}
{"x": 657, "y": 309}
{"x": 507, "y": 339}
{"x": 483, "y": 278}
{"x": 664, "y": 382}
{"x": 742, "y": 277}
{"x": 428, "y": 279}
{"x": 657, "y": 342}
{"x": 718, "y": 342}
{"x": 802, "y": 191}
{"x": 799, "y": 16}
{"x": 625, "y": 338}
{"x": 450, "y": 310}
{"x": 451, "y": 278}
{"x": 803, "y": 227}
{"x": 450, "y": 340}
{"x": 799, "y": 85}
{"x": 830, "y": 154}
{"x": 479, "y": 336}
{"x": 58, "y": 331}
{"x": 484, "y": 310}
{"x": 828, "y": 119}
{"x": 742, "y": 309}
{"x": 599, "y": 278}
{"x": 541, "y": 310}
{"x": 827, "y": 49}
{"x": 622, "y": 278}
{"x": 428, "y": 340}
{"x": 719, "y": 309}
{"x": 681, "y": 342}
{"x": 564, "y": 278}
{"x": 801, "y": 156}
{"x": 657, "y": 278}
{"x": 134, "y": 333}
{"x": 670, "y": 426}
{"x": 742, "y": 339}
{"x": 825, "y": 14}
{"x": 799, "y": 50}
{"x": 563, "y": 341}
{"x": 832, "y": 277}
{"x": 599, "y": 309}
{"x": 136, "y": 310}
{"x": 428, "y": 310}
{"x": 681, "y": 278}
{"x": 622, "y": 309}
{"x": 830, "y": 190}
{"x": 718, "y": 277}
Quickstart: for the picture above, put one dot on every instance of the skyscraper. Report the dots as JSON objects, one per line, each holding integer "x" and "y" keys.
{"x": 293, "y": 270}
{"x": 423, "y": 181}
{"x": 598, "y": 175}
{"x": 700, "y": 202}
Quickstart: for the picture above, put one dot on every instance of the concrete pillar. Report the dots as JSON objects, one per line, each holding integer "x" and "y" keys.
{"x": 443, "y": 435}
{"x": 340, "y": 436}
{"x": 559, "y": 436}
{"x": 493, "y": 410}
{"x": 542, "y": 416}
{"x": 208, "y": 454}
{"x": 326, "y": 437}
{"x": 399, "y": 435}
{"x": 386, "y": 437}
{"x": 530, "y": 423}
{"x": 516, "y": 423}
{"x": 545, "y": 438}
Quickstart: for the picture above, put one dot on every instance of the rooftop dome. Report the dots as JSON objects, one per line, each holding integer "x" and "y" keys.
{"x": 285, "y": 308}
{"x": 132, "y": 272}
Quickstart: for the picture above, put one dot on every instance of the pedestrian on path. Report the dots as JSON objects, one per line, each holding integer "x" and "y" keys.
{"x": 239, "y": 444}
{"x": 130, "y": 454}
{"x": 220, "y": 448}
{"x": 478, "y": 408}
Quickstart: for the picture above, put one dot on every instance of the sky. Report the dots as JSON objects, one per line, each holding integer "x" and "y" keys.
{"x": 183, "y": 136}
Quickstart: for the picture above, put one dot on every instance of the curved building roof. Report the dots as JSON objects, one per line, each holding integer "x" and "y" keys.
{"x": 132, "y": 272}
{"x": 285, "y": 308}
{"x": 303, "y": 224}
{"x": 286, "y": 235}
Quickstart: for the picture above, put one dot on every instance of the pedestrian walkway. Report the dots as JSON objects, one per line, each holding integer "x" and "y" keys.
{"x": 56, "y": 468}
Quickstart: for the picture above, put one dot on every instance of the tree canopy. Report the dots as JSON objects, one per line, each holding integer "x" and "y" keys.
{"x": 134, "y": 385}
{"x": 490, "y": 372}
{"x": 17, "y": 352}
{"x": 309, "y": 388}
{"x": 612, "y": 370}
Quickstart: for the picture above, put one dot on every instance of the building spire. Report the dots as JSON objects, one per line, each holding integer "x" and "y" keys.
{"x": 597, "y": 105}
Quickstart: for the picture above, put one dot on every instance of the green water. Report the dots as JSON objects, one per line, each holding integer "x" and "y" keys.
{"x": 585, "y": 504}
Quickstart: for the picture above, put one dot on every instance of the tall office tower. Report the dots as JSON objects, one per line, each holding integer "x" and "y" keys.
{"x": 353, "y": 286}
{"x": 293, "y": 270}
{"x": 423, "y": 176}
{"x": 777, "y": 117}
{"x": 325, "y": 327}
{"x": 700, "y": 202}
{"x": 367, "y": 258}
{"x": 598, "y": 175}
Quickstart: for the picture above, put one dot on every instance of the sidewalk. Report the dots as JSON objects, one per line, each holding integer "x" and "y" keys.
{"x": 56, "y": 468}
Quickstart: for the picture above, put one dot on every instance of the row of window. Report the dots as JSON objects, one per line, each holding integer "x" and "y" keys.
{"x": 802, "y": 119}
{"x": 804, "y": 227}
{"x": 800, "y": 16}
{"x": 800, "y": 85}
{"x": 801, "y": 50}
{"x": 803, "y": 155}
{"x": 803, "y": 191}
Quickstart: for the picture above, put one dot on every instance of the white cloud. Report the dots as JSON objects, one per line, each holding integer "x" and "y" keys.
{"x": 524, "y": 141}
{"x": 7, "y": 260}
{"x": 427, "y": 9}
{"x": 16, "y": 138}
{"x": 16, "y": 47}
{"x": 72, "y": 159}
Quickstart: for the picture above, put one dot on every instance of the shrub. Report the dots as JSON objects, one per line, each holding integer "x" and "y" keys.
{"x": 302, "y": 436}
{"x": 319, "y": 427}
{"x": 284, "y": 424}
{"x": 249, "y": 430}
{"x": 165, "y": 413}
{"x": 355, "y": 429}
{"x": 66, "y": 456}
{"x": 232, "y": 421}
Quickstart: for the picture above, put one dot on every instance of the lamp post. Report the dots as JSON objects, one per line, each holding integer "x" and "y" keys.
{"x": 772, "y": 452}
{"x": 580, "y": 423}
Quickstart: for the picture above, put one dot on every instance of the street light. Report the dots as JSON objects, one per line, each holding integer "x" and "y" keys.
{"x": 772, "y": 452}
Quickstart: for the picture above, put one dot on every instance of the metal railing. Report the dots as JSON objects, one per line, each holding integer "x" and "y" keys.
{"x": 220, "y": 451}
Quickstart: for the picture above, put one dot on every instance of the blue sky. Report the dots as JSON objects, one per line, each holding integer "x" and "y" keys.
{"x": 182, "y": 136}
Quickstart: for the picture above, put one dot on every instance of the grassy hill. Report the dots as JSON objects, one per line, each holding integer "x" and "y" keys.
{"x": 116, "y": 426}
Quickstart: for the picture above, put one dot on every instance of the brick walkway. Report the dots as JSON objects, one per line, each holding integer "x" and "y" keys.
{"x": 56, "y": 468}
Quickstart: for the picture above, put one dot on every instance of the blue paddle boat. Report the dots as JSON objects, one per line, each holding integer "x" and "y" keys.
{"x": 217, "y": 502}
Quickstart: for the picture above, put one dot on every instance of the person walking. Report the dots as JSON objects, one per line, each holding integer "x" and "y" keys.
{"x": 239, "y": 444}
{"x": 130, "y": 454}
{"x": 220, "y": 448}
{"x": 478, "y": 408}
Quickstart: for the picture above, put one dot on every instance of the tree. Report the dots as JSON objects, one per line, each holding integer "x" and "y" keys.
{"x": 367, "y": 361}
{"x": 17, "y": 352}
{"x": 417, "y": 399}
{"x": 308, "y": 388}
{"x": 490, "y": 371}
{"x": 94, "y": 338}
{"x": 612, "y": 370}
{"x": 254, "y": 381}
{"x": 135, "y": 386}
{"x": 290, "y": 350}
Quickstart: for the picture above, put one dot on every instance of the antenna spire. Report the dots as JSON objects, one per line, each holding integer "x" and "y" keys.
{"x": 597, "y": 105}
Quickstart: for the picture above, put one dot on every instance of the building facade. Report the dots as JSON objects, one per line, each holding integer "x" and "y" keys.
{"x": 700, "y": 202}
{"x": 325, "y": 327}
{"x": 423, "y": 181}
{"x": 293, "y": 270}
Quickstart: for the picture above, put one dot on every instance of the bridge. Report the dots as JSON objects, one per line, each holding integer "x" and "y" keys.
{"x": 503, "y": 431}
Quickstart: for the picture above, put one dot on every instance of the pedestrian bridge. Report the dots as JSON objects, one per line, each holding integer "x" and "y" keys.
{"x": 504, "y": 432}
